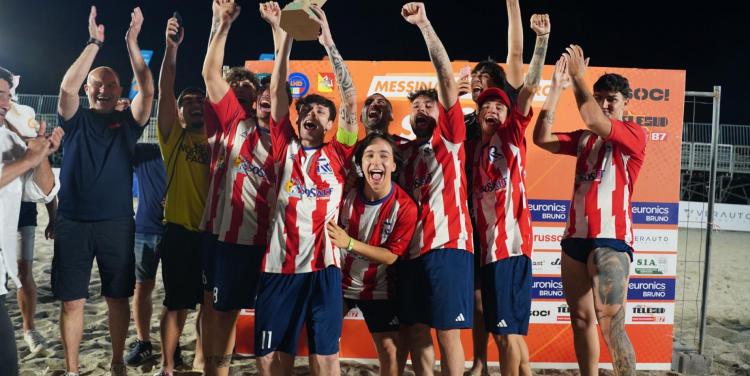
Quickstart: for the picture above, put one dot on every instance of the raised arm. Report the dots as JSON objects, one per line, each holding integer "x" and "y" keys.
{"x": 543, "y": 136}
{"x": 76, "y": 74}
{"x": 348, "y": 106}
{"x": 143, "y": 101}
{"x": 514, "y": 60}
{"x": 216, "y": 87}
{"x": 271, "y": 13}
{"x": 414, "y": 13}
{"x": 591, "y": 113}
{"x": 541, "y": 26}
{"x": 279, "y": 98}
{"x": 167, "y": 102}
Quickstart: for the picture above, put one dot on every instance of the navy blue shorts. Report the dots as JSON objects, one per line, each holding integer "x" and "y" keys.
{"x": 380, "y": 315}
{"x": 579, "y": 248}
{"x": 287, "y": 301}
{"x": 231, "y": 273}
{"x": 506, "y": 295}
{"x": 27, "y": 216}
{"x": 437, "y": 289}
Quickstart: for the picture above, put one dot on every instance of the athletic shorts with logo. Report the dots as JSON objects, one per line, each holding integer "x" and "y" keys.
{"x": 506, "y": 295}
{"x": 231, "y": 273}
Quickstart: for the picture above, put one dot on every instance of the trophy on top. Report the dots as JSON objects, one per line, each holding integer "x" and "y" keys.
{"x": 296, "y": 19}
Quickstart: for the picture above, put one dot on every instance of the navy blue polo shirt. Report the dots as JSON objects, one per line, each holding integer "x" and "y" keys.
{"x": 96, "y": 177}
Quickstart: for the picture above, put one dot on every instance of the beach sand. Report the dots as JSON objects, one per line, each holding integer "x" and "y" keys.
{"x": 728, "y": 329}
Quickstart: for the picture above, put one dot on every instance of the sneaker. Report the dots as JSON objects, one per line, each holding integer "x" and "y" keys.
{"x": 36, "y": 342}
{"x": 162, "y": 373}
{"x": 140, "y": 351}
{"x": 118, "y": 369}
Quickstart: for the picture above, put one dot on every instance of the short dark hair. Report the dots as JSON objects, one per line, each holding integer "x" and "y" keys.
{"x": 359, "y": 151}
{"x": 496, "y": 72}
{"x": 311, "y": 99}
{"x": 7, "y": 76}
{"x": 265, "y": 83}
{"x": 429, "y": 93}
{"x": 613, "y": 82}
{"x": 241, "y": 74}
{"x": 190, "y": 90}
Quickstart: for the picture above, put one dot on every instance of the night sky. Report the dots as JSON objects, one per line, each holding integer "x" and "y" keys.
{"x": 40, "y": 39}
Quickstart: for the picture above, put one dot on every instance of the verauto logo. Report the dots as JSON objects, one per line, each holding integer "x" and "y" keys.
{"x": 395, "y": 86}
{"x": 299, "y": 84}
{"x": 650, "y": 94}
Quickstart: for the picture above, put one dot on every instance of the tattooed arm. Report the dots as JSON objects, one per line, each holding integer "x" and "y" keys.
{"x": 348, "y": 106}
{"x": 414, "y": 13}
{"x": 541, "y": 26}
{"x": 591, "y": 113}
{"x": 543, "y": 136}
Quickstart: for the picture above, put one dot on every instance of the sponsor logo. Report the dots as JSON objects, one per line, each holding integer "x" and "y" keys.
{"x": 547, "y": 288}
{"x": 299, "y": 84}
{"x": 647, "y": 120}
{"x": 502, "y": 324}
{"x": 492, "y": 186}
{"x": 644, "y": 313}
{"x": 563, "y": 313}
{"x": 655, "y": 240}
{"x": 651, "y": 265}
{"x": 325, "y": 82}
{"x": 549, "y": 210}
{"x": 651, "y": 289}
{"x": 650, "y": 94}
{"x": 540, "y": 313}
{"x": 399, "y": 86}
{"x": 299, "y": 190}
{"x": 250, "y": 169}
{"x": 460, "y": 318}
{"x": 655, "y": 213}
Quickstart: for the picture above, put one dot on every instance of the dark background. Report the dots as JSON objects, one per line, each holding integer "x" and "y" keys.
{"x": 40, "y": 39}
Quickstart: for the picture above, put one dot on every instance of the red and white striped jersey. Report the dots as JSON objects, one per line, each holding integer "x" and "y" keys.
{"x": 434, "y": 175}
{"x": 606, "y": 171}
{"x": 311, "y": 186}
{"x": 387, "y": 223}
{"x": 499, "y": 189}
{"x": 243, "y": 214}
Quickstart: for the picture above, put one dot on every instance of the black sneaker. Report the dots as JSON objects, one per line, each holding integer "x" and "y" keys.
{"x": 178, "y": 357}
{"x": 140, "y": 351}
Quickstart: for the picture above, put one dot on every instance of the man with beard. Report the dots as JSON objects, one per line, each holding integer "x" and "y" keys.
{"x": 95, "y": 216}
{"x": 301, "y": 280}
{"x": 435, "y": 282}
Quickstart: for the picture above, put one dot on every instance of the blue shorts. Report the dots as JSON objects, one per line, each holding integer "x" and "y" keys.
{"x": 506, "y": 295}
{"x": 380, "y": 315}
{"x": 231, "y": 273}
{"x": 580, "y": 248}
{"x": 146, "y": 260}
{"x": 437, "y": 289}
{"x": 27, "y": 215}
{"x": 286, "y": 301}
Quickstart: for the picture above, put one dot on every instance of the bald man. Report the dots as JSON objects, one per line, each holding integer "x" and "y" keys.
{"x": 95, "y": 214}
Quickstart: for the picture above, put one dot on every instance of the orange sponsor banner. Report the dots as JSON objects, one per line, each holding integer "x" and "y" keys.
{"x": 657, "y": 104}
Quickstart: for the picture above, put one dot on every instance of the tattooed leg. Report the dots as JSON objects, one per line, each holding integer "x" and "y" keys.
{"x": 610, "y": 291}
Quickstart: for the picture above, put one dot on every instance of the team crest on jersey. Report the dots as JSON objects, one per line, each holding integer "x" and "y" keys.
{"x": 323, "y": 167}
{"x": 495, "y": 154}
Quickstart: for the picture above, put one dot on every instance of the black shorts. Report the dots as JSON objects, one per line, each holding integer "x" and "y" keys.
{"x": 77, "y": 244}
{"x": 231, "y": 273}
{"x": 27, "y": 216}
{"x": 579, "y": 248}
{"x": 181, "y": 267}
{"x": 380, "y": 315}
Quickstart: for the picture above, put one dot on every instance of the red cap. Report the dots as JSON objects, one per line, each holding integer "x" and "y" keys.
{"x": 493, "y": 93}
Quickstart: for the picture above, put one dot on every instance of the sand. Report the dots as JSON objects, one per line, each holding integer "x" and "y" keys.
{"x": 728, "y": 328}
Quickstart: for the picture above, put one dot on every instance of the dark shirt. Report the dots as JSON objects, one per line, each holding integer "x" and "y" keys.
{"x": 149, "y": 169}
{"x": 96, "y": 177}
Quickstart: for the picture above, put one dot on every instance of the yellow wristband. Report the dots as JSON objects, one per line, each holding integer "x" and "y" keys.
{"x": 345, "y": 137}
{"x": 351, "y": 244}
